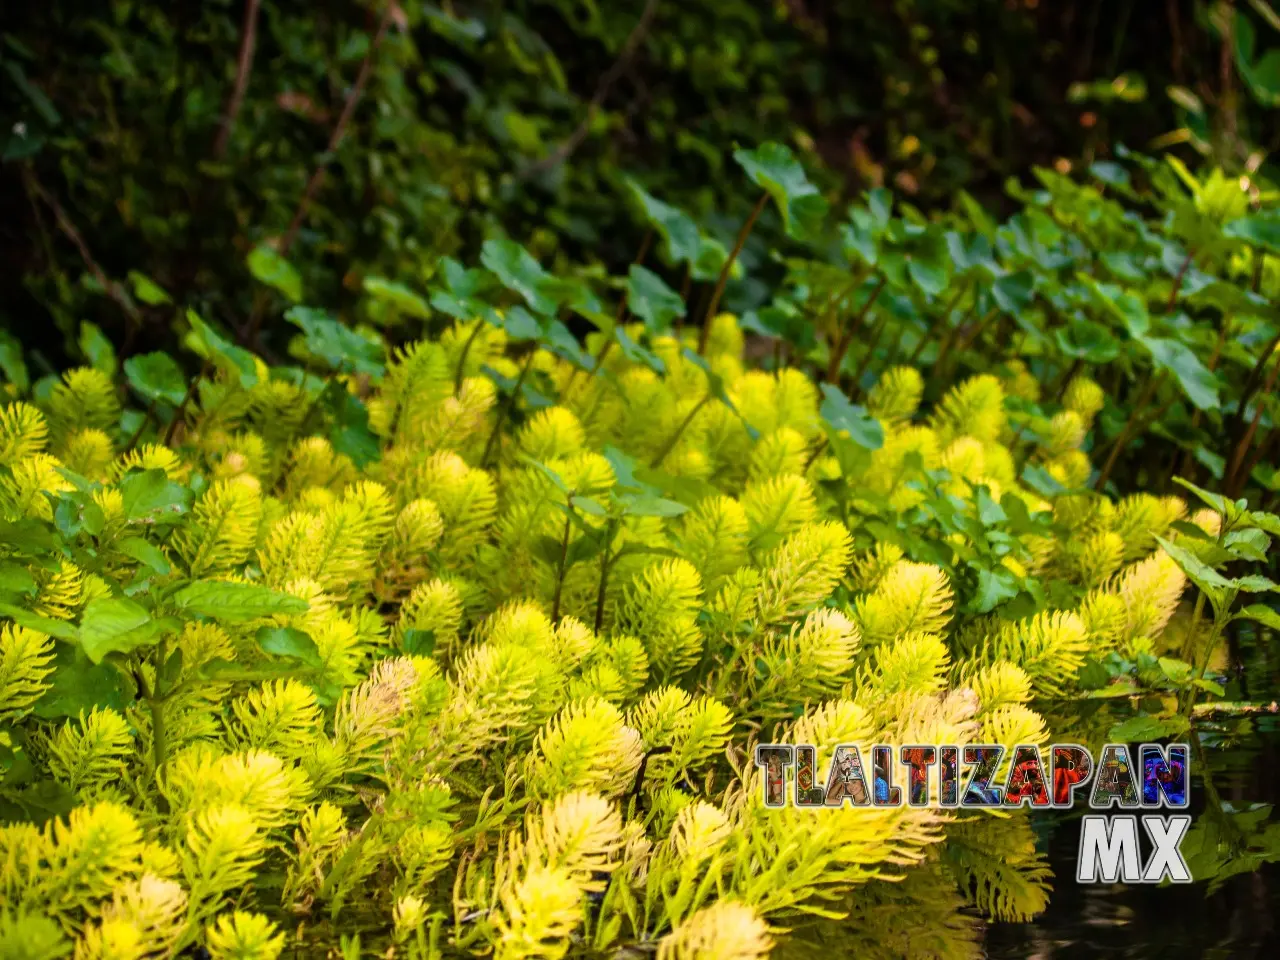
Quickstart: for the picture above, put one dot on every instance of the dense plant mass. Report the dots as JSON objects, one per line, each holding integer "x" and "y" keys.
{"x": 460, "y": 646}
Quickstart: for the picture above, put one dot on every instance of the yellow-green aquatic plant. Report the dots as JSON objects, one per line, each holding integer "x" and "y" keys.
{"x": 475, "y": 685}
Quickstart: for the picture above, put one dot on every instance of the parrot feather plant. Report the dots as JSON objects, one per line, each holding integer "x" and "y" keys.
{"x": 462, "y": 646}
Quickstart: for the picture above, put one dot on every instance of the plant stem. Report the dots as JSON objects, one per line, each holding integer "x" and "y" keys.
{"x": 507, "y": 408}
{"x": 462, "y": 358}
{"x": 876, "y": 334}
{"x": 1233, "y": 481}
{"x": 837, "y": 355}
{"x": 1177, "y": 283}
{"x": 675, "y": 437}
{"x": 1131, "y": 427}
{"x": 137, "y": 434}
{"x": 606, "y": 565}
{"x": 180, "y": 413}
{"x": 155, "y": 700}
{"x": 244, "y": 65}
{"x": 564, "y": 559}
{"x": 723, "y": 280}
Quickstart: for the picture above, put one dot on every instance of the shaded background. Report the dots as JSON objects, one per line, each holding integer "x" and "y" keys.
{"x": 126, "y": 146}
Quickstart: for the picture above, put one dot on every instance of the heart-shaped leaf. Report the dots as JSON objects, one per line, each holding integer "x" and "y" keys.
{"x": 678, "y": 231}
{"x": 774, "y": 169}
{"x": 339, "y": 346}
{"x": 650, "y": 299}
{"x": 517, "y": 270}
{"x": 156, "y": 376}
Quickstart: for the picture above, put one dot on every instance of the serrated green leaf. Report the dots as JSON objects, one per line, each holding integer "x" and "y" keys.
{"x": 1203, "y": 576}
{"x": 209, "y": 344}
{"x": 78, "y": 685}
{"x": 1196, "y": 380}
{"x": 1260, "y": 613}
{"x": 33, "y": 621}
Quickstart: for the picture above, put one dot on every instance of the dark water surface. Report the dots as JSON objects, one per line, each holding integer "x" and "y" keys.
{"x": 1239, "y": 919}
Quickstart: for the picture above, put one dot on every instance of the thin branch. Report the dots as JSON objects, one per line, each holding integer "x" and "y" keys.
{"x": 607, "y": 80}
{"x": 714, "y": 305}
{"x": 110, "y": 287}
{"x": 244, "y": 66}
{"x": 339, "y": 131}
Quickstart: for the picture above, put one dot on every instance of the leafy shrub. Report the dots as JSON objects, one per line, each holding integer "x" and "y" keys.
{"x": 463, "y": 646}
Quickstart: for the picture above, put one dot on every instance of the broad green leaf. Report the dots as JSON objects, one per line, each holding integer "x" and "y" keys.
{"x": 994, "y": 587}
{"x": 418, "y": 643}
{"x": 97, "y": 348}
{"x": 646, "y": 505}
{"x": 678, "y": 230}
{"x": 150, "y": 492}
{"x": 638, "y": 354}
{"x": 78, "y": 685}
{"x": 145, "y": 553}
{"x": 931, "y": 278}
{"x": 1260, "y": 230}
{"x": 12, "y": 364}
{"x": 588, "y": 506}
{"x": 650, "y": 299}
{"x": 1148, "y": 729}
{"x": 398, "y": 296}
{"x": 1085, "y": 340}
{"x": 236, "y": 602}
{"x": 33, "y": 621}
{"x": 773, "y": 168}
{"x": 349, "y": 418}
{"x": 1260, "y": 613}
{"x": 1196, "y": 380}
{"x": 15, "y": 578}
{"x": 147, "y": 290}
{"x": 288, "y": 642}
{"x": 1041, "y": 480}
{"x": 269, "y": 267}
{"x": 116, "y": 625}
{"x": 839, "y": 414}
{"x": 520, "y": 324}
{"x": 1215, "y": 500}
{"x": 1254, "y": 583}
{"x": 339, "y": 346}
{"x": 517, "y": 270}
{"x": 1014, "y": 292}
{"x": 1203, "y": 576}
{"x": 156, "y": 376}
{"x": 207, "y": 343}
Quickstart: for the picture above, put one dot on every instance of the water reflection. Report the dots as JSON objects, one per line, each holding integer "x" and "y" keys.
{"x": 1238, "y": 919}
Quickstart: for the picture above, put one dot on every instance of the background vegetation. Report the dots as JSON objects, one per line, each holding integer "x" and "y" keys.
{"x": 438, "y": 440}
